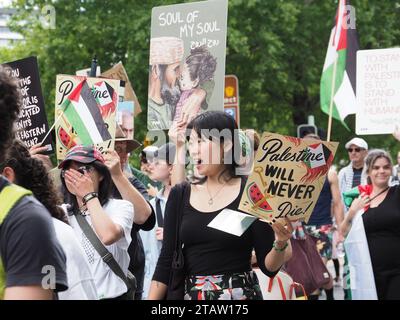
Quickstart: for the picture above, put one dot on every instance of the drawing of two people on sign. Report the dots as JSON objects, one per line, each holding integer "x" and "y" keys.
{"x": 178, "y": 88}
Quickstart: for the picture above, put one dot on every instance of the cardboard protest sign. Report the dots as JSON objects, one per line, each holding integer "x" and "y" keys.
{"x": 118, "y": 72}
{"x": 187, "y": 61}
{"x": 32, "y": 123}
{"x": 287, "y": 178}
{"x": 86, "y": 109}
{"x": 231, "y": 97}
{"x": 86, "y": 72}
{"x": 378, "y": 91}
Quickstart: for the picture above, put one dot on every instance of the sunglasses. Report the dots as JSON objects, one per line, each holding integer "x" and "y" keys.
{"x": 354, "y": 149}
{"x": 82, "y": 170}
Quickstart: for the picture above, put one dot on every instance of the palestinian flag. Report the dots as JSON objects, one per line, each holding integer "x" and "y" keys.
{"x": 106, "y": 98}
{"x": 316, "y": 165}
{"x": 354, "y": 193}
{"x": 84, "y": 115}
{"x": 343, "y": 46}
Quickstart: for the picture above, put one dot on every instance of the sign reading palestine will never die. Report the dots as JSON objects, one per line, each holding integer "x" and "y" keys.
{"x": 287, "y": 178}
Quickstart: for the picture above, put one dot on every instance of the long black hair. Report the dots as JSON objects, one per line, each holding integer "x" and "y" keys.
{"x": 31, "y": 174}
{"x": 214, "y": 125}
{"x": 10, "y": 102}
{"x": 105, "y": 185}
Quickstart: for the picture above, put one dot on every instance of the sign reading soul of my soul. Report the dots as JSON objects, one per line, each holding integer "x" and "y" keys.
{"x": 86, "y": 108}
{"x": 32, "y": 123}
{"x": 287, "y": 178}
{"x": 378, "y": 91}
{"x": 187, "y": 61}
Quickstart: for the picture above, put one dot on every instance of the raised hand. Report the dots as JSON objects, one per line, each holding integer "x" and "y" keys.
{"x": 113, "y": 162}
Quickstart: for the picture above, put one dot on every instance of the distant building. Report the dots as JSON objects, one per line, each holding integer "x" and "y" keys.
{"x": 6, "y": 35}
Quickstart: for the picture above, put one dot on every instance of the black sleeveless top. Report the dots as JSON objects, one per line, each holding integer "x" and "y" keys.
{"x": 208, "y": 251}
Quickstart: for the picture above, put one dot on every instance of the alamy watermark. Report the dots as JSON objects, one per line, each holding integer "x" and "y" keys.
{"x": 223, "y": 147}
{"x": 49, "y": 280}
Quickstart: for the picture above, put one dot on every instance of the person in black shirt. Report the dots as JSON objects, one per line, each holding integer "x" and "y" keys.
{"x": 217, "y": 264}
{"x": 380, "y": 213}
{"x": 32, "y": 263}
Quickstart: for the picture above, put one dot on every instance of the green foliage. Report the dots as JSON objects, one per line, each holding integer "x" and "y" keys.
{"x": 276, "y": 48}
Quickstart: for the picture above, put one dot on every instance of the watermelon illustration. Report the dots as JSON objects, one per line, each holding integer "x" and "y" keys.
{"x": 65, "y": 138}
{"x": 255, "y": 195}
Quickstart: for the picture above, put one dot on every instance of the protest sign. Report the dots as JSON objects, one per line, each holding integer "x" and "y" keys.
{"x": 118, "y": 72}
{"x": 188, "y": 41}
{"x": 32, "y": 123}
{"x": 287, "y": 178}
{"x": 378, "y": 91}
{"x": 231, "y": 97}
{"x": 85, "y": 118}
{"x": 125, "y": 118}
{"x": 86, "y": 72}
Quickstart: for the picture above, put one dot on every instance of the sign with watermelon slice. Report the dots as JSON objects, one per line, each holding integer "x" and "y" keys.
{"x": 105, "y": 93}
{"x": 287, "y": 178}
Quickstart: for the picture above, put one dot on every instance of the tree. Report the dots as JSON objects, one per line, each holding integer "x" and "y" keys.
{"x": 276, "y": 48}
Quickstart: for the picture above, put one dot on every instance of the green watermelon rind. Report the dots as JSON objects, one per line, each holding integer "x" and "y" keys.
{"x": 248, "y": 194}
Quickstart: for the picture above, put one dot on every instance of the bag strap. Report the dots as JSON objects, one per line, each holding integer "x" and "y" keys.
{"x": 293, "y": 287}
{"x": 106, "y": 255}
{"x": 271, "y": 282}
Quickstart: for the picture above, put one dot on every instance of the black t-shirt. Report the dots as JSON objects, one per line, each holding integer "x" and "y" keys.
{"x": 208, "y": 251}
{"x": 382, "y": 227}
{"x": 29, "y": 247}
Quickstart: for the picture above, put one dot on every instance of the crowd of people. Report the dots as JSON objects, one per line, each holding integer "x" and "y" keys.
{"x": 106, "y": 230}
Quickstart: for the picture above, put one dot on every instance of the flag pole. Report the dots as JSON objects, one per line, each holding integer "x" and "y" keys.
{"x": 331, "y": 101}
{"x": 52, "y": 127}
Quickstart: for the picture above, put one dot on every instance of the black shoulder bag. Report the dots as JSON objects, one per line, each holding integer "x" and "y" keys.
{"x": 176, "y": 284}
{"x": 108, "y": 258}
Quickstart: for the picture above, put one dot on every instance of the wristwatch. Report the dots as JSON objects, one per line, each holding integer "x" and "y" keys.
{"x": 89, "y": 196}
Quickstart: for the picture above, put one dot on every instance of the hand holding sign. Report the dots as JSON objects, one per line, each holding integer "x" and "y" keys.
{"x": 35, "y": 152}
{"x": 283, "y": 232}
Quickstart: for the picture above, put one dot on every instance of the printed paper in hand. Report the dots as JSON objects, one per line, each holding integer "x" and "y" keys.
{"x": 233, "y": 222}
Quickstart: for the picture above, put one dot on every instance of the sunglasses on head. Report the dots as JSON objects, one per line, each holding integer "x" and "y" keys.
{"x": 354, "y": 149}
{"x": 82, "y": 169}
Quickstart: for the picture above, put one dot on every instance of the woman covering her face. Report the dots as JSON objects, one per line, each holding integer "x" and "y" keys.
{"x": 86, "y": 184}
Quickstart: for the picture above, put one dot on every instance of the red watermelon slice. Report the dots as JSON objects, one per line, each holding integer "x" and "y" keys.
{"x": 65, "y": 138}
{"x": 255, "y": 195}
